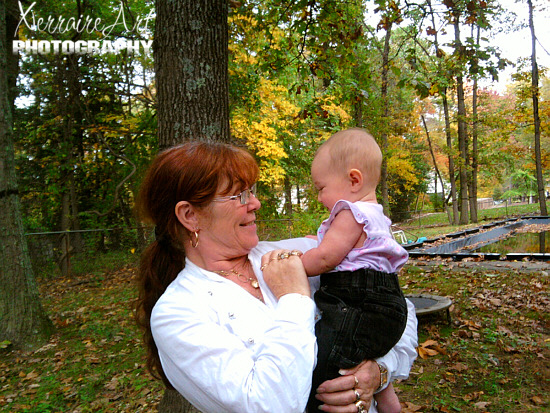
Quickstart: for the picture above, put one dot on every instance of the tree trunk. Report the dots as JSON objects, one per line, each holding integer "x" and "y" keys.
{"x": 454, "y": 219}
{"x": 358, "y": 110}
{"x": 77, "y": 239}
{"x": 452, "y": 179}
{"x": 173, "y": 402}
{"x": 437, "y": 174}
{"x": 385, "y": 117}
{"x": 288, "y": 196}
{"x": 191, "y": 59}
{"x": 474, "y": 166}
{"x": 65, "y": 238}
{"x": 462, "y": 132}
{"x": 536, "y": 119}
{"x": 23, "y": 321}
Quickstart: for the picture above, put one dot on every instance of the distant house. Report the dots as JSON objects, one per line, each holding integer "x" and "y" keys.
{"x": 484, "y": 203}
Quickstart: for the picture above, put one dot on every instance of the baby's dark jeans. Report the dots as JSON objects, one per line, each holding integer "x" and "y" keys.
{"x": 363, "y": 315}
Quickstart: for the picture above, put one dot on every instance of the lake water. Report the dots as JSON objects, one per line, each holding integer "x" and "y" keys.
{"x": 521, "y": 242}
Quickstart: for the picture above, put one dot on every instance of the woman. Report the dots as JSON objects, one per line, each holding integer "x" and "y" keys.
{"x": 225, "y": 334}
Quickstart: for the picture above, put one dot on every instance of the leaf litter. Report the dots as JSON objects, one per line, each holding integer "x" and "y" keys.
{"x": 492, "y": 358}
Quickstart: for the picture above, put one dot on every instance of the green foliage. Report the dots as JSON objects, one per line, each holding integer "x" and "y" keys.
{"x": 298, "y": 72}
{"x": 437, "y": 202}
{"x": 306, "y": 223}
{"x": 87, "y": 128}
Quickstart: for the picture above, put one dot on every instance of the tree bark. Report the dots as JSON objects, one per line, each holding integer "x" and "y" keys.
{"x": 474, "y": 165}
{"x": 191, "y": 58}
{"x": 173, "y": 402}
{"x": 73, "y": 114}
{"x": 23, "y": 321}
{"x": 385, "y": 117}
{"x": 454, "y": 219}
{"x": 191, "y": 61}
{"x": 65, "y": 238}
{"x": 288, "y": 196}
{"x": 462, "y": 132}
{"x": 536, "y": 117}
{"x": 452, "y": 179}
{"x": 437, "y": 174}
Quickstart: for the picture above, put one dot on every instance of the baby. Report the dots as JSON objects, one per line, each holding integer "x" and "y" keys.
{"x": 363, "y": 308}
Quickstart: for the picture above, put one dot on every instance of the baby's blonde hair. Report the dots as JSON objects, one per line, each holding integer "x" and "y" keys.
{"x": 355, "y": 148}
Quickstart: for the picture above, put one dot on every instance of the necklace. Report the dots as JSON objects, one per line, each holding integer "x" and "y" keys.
{"x": 240, "y": 277}
{"x": 244, "y": 279}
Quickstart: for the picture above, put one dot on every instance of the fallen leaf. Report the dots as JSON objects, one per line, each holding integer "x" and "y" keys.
{"x": 459, "y": 367}
{"x": 496, "y": 301}
{"x": 481, "y": 405}
{"x": 409, "y": 407}
{"x": 537, "y": 400}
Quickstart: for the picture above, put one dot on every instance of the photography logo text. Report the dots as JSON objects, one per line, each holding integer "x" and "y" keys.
{"x": 59, "y": 25}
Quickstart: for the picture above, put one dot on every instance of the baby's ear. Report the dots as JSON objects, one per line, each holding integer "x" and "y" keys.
{"x": 356, "y": 179}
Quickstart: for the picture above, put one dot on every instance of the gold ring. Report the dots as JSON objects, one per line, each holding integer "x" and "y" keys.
{"x": 356, "y": 382}
{"x": 357, "y": 396}
{"x": 296, "y": 253}
{"x": 266, "y": 264}
{"x": 361, "y": 406}
{"x": 284, "y": 255}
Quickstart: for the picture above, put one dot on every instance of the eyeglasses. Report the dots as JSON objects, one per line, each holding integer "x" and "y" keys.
{"x": 244, "y": 196}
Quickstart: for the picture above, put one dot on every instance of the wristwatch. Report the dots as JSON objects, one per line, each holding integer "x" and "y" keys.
{"x": 383, "y": 377}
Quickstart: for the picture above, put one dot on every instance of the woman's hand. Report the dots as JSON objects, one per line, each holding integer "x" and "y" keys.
{"x": 344, "y": 393}
{"x": 284, "y": 273}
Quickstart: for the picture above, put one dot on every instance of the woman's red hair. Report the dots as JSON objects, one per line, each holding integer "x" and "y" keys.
{"x": 195, "y": 172}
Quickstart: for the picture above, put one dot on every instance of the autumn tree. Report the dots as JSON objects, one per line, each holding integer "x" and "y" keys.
{"x": 23, "y": 321}
{"x": 536, "y": 118}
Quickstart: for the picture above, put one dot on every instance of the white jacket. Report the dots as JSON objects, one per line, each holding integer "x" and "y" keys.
{"x": 226, "y": 351}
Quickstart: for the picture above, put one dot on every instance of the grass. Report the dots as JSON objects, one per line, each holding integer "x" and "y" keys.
{"x": 493, "y": 357}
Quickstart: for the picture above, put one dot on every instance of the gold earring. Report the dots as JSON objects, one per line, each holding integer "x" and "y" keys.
{"x": 196, "y": 239}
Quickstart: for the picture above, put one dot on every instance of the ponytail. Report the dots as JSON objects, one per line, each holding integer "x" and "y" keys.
{"x": 192, "y": 172}
{"x": 160, "y": 264}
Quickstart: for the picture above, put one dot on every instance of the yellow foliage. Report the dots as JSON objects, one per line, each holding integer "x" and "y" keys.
{"x": 336, "y": 110}
{"x": 263, "y": 131}
{"x": 402, "y": 173}
{"x": 277, "y": 34}
{"x": 242, "y": 57}
{"x": 242, "y": 21}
